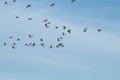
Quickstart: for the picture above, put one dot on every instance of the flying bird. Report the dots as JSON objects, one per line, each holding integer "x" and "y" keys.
{"x": 64, "y": 27}
{"x": 28, "y": 6}
{"x": 29, "y": 18}
{"x": 17, "y": 16}
{"x": 99, "y": 30}
{"x": 50, "y": 46}
{"x": 13, "y": 46}
{"x": 53, "y": 4}
{"x": 14, "y": 0}
{"x": 30, "y": 36}
{"x": 85, "y": 29}
{"x": 5, "y": 3}
{"x": 45, "y": 20}
{"x": 4, "y": 44}
{"x": 73, "y": 1}
{"x": 69, "y": 31}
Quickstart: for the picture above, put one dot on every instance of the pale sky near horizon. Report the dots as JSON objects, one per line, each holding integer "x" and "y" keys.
{"x": 86, "y": 56}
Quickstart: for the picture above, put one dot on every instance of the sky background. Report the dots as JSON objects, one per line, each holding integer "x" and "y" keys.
{"x": 86, "y": 56}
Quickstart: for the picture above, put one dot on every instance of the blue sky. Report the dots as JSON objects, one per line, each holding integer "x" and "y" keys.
{"x": 86, "y": 56}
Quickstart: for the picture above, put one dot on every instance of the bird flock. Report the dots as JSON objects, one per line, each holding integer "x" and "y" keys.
{"x": 42, "y": 41}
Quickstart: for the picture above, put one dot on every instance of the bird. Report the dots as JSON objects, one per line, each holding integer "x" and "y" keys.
{"x": 42, "y": 44}
{"x": 69, "y": 31}
{"x": 18, "y": 39}
{"x": 58, "y": 39}
{"x": 14, "y": 0}
{"x": 5, "y": 2}
{"x": 45, "y": 20}
{"x": 29, "y": 18}
{"x": 29, "y": 5}
{"x": 56, "y": 27}
{"x": 63, "y": 34}
{"x": 53, "y": 4}
{"x": 41, "y": 39}
{"x": 99, "y": 30}
{"x": 33, "y": 44}
{"x": 64, "y": 27}
{"x": 14, "y": 43}
{"x": 17, "y": 16}
{"x": 61, "y": 37}
{"x": 30, "y": 36}
{"x": 46, "y": 25}
{"x": 50, "y": 46}
{"x": 4, "y": 44}
{"x": 73, "y": 1}
{"x": 85, "y": 29}
{"x": 11, "y": 37}
{"x": 13, "y": 46}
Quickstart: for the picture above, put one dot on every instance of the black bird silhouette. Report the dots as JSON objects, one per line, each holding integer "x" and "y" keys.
{"x": 99, "y": 30}
{"x": 50, "y": 46}
{"x": 64, "y": 27}
{"x": 18, "y": 39}
{"x": 10, "y": 37}
{"x": 46, "y": 25}
{"x": 17, "y": 16}
{"x": 29, "y": 18}
{"x": 56, "y": 27}
{"x": 4, "y": 44}
{"x": 73, "y": 1}
{"x": 63, "y": 34}
{"x": 69, "y": 31}
{"x": 5, "y": 2}
{"x": 30, "y": 36}
{"x": 45, "y": 20}
{"x": 58, "y": 39}
{"x": 29, "y": 5}
{"x": 85, "y": 29}
{"x": 42, "y": 44}
{"x": 13, "y": 46}
{"x": 41, "y": 39}
{"x": 14, "y": 0}
{"x": 53, "y": 4}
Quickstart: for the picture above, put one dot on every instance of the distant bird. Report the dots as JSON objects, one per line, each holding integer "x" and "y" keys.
{"x": 10, "y": 37}
{"x": 33, "y": 44}
{"x": 17, "y": 16}
{"x": 53, "y": 4}
{"x": 73, "y": 1}
{"x": 14, "y": 0}
{"x": 69, "y": 31}
{"x": 13, "y": 46}
{"x": 27, "y": 44}
{"x": 56, "y": 27}
{"x": 45, "y": 20}
{"x": 50, "y": 46}
{"x": 61, "y": 37}
{"x": 4, "y": 44}
{"x": 46, "y": 25}
{"x": 18, "y": 39}
{"x": 99, "y": 30}
{"x": 41, "y": 39}
{"x": 29, "y": 18}
{"x": 30, "y": 36}
{"x": 14, "y": 43}
{"x": 63, "y": 34}
{"x": 85, "y": 29}
{"x": 29, "y": 5}
{"x": 64, "y": 27}
{"x": 58, "y": 39}
{"x": 5, "y": 2}
{"x": 42, "y": 44}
